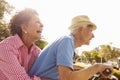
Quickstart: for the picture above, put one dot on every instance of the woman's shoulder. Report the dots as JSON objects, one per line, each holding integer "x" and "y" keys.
{"x": 10, "y": 41}
{"x": 7, "y": 40}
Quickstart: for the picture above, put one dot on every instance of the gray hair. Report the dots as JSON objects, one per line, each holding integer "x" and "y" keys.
{"x": 75, "y": 29}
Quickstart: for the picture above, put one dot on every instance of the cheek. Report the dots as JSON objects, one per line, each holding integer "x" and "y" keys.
{"x": 31, "y": 29}
{"x": 87, "y": 36}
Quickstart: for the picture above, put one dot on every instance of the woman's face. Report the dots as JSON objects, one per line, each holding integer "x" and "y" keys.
{"x": 34, "y": 28}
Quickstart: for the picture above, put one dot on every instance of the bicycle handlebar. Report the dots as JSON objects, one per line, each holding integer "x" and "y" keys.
{"x": 106, "y": 72}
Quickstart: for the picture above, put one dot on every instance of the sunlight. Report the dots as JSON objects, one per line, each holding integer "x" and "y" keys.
{"x": 20, "y": 4}
{"x": 56, "y": 16}
{"x": 45, "y": 16}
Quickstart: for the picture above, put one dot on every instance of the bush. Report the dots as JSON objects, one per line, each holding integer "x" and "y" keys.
{"x": 41, "y": 43}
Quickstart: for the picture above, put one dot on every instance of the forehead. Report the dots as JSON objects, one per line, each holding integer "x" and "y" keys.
{"x": 34, "y": 17}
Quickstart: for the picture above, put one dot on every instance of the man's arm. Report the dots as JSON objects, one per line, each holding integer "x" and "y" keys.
{"x": 76, "y": 67}
{"x": 67, "y": 73}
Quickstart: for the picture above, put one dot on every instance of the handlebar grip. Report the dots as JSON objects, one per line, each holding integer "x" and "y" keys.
{"x": 107, "y": 72}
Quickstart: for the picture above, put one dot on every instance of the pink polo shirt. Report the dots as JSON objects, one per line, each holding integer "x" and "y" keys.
{"x": 15, "y": 60}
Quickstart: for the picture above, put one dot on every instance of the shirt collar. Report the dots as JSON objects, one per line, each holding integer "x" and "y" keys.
{"x": 72, "y": 37}
{"x": 18, "y": 41}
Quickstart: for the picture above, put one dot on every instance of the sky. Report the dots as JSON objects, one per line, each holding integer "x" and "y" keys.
{"x": 56, "y": 16}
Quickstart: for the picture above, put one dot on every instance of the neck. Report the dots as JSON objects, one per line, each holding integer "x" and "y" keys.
{"x": 78, "y": 41}
{"x": 28, "y": 42}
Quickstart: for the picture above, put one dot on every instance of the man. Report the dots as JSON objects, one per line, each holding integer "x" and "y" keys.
{"x": 56, "y": 60}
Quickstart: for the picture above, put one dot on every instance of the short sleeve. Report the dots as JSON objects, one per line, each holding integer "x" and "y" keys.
{"x": 65, "y": 53}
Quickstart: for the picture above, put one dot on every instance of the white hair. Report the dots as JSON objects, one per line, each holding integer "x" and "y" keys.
{"x": 75, "y": 29}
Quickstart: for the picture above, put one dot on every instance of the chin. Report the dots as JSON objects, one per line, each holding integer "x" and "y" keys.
{"x": 87, "y": 43}
{"x": 38, "y": 38}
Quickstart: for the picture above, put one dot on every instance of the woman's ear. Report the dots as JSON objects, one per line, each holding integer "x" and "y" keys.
{"x": 24, "y": 28}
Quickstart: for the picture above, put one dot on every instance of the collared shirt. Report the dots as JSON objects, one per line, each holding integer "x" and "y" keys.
{"x": 60, "y": 52}
{"x": 15, "y": 60}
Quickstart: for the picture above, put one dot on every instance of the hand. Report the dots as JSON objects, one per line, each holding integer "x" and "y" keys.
{"x": 106, "y": 71}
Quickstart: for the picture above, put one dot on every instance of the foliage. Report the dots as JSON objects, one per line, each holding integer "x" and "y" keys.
{"x": 41, "y": 43}
{"x": 103, "y": 53}
{"x": 3, "y": 31}
{"x": 117, "y": 73}
{"x": 5, "y": 8}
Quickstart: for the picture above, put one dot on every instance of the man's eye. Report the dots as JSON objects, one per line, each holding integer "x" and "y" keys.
{"x": 37, "y": 21}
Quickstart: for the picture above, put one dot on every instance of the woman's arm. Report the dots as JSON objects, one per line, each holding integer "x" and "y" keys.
{"x": 10, "y": 67}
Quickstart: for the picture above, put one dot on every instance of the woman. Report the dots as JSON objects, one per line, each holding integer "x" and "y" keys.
{"x": 18, "y": 52}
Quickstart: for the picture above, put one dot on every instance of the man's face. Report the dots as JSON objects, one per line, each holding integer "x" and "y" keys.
{"x": 87, "y": 34}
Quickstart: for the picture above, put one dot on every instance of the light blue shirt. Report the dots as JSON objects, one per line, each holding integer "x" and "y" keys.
{"x": 60, "y": 52}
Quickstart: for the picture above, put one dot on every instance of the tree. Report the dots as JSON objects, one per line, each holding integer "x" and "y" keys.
{"x": 5, "y": 8}
{"x": 41, "y": 43}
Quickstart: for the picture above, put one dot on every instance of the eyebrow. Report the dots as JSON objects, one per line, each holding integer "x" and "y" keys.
{"x": 89, "y": 26}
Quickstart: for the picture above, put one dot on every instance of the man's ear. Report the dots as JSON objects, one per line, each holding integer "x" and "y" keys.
{"x": 80, "y": 28}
